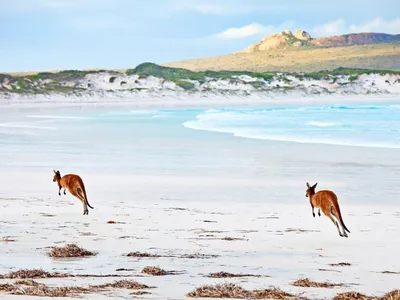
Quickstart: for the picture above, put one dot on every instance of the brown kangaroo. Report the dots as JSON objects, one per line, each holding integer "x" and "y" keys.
{"x": 75, "y": 186}
{"x": 327, "y": 202}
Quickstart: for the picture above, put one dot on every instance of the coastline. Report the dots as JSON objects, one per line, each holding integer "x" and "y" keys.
{"x": 154, "y": 100}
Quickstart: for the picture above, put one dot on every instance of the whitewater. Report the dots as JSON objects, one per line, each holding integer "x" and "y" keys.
{"x": 353, "y": 125}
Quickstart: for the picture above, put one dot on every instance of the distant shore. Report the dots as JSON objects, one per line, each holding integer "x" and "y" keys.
{"x": 157, "y": 101}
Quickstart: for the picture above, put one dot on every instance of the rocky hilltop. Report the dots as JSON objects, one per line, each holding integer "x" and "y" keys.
{"x": 281, "y": 40}
{"x": 301, "y": 38}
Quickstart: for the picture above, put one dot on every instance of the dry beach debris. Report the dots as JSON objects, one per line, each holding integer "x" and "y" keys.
{"x": 231, "y": 275}
{"x": 70, "y": 250}
{"x": 33, "y": 288}
{"x": 156, "y": 271}
{"x": 230, "y": 290}
{"x": 40, "y": 273}
{"x": 305, "y": 282}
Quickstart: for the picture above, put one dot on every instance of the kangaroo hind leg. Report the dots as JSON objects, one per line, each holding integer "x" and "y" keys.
{"x": 336, "y": 224}
{"x": 85, "y": 208}
{"x": 334, "y": 213}
{"x": 77, "y": 195}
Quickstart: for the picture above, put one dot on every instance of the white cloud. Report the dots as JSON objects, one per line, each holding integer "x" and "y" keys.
{"x": 331, "y": 28}
{"x": 241, "y": 32}
{"x": 336, "y": 27}
{"x": 253, "y": 29}
{"x": 341, "y": 27}
{"x": 378, "y": 25}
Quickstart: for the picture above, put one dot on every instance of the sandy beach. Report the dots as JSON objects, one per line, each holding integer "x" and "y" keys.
{"x": 202, "y": 202}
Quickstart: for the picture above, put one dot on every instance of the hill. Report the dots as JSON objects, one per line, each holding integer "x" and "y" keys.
{"x": 299, "y": 52}
{"x": 300, "y": 38}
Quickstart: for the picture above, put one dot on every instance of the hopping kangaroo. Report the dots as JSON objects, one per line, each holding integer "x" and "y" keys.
{"x": 328, "y": 203}
{"x": 75, "y": 186}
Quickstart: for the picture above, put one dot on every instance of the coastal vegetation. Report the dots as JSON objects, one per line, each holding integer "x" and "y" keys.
{"x": 70, "y": 81}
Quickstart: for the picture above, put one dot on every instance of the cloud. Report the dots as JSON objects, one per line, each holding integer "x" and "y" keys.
{"x": 241, "y": 32}
{"x": 378, "y": 25}
{"x": 331, "y": 28}
{"x": 252, "y": 30}
{"x": 341, "y": 27}
{"x": 336, "y": 27}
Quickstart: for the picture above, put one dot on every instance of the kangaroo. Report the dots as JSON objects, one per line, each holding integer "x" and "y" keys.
{"x": 75, "y": 186}
{"x": 327, "y": 202}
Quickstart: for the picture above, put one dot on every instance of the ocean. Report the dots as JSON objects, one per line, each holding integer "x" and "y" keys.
{"x": 353, "y": 125}
{"x": 270, "y": 149}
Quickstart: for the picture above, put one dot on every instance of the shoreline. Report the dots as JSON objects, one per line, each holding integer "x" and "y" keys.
{"x": 159, "y": 102}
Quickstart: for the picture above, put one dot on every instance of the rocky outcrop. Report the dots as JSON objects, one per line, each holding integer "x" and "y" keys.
{"x": 281, "y": 40}
{"x": 301, "y": 38}
{"x": 302, "y": 35}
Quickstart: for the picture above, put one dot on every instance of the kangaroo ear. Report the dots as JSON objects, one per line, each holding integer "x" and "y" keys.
{"x": 308, "y": 185}
{"x": 54, "y": 171}
{"x": 315, "y": 185}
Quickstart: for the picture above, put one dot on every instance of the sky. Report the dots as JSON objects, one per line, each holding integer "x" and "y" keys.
{"x": 39, "y": 35}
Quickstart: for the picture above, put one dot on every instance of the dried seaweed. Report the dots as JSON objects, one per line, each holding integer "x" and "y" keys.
{"x": 123, "y": 284}
{"x": 308, "y": 283}
{"x": 393, "y": 295}
{"x": 142, "y": 254}
{"x": 352, "y": 296}
{"x": 230, "y": 290}
{"x": 230, "y": 275}
{"x": 156, "y": 271}
{"x": 341, "y": 264}
{"x": 70, "y": 250}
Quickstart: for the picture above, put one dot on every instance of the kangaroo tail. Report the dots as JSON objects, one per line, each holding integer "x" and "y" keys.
{"x": 84, "y": 194}
{"x": 339, "y": 215}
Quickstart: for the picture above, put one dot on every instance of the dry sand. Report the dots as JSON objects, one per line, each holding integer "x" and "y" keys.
{"x": 282, "y": 243}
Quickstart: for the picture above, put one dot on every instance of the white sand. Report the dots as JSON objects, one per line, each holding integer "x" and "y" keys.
{"x": 248, "y": 196}
{"x": 151, "y": 224}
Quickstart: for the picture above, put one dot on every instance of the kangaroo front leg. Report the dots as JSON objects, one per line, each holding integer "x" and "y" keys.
{"x": 65, "y": 191}
{"x": 312, "y": 206}
{"x": 319, "y": 212}
{"x": 59, "y": 191}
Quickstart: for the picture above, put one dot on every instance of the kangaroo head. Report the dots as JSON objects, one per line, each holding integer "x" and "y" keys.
{"x": 57, "y": 175}
{"x": 310, "y": 189}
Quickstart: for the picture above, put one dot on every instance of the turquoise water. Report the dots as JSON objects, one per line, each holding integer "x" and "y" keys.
{"x": 119, "y": 138}
{"x": 229, "y": 152}
{"x": 356, "y": 125}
